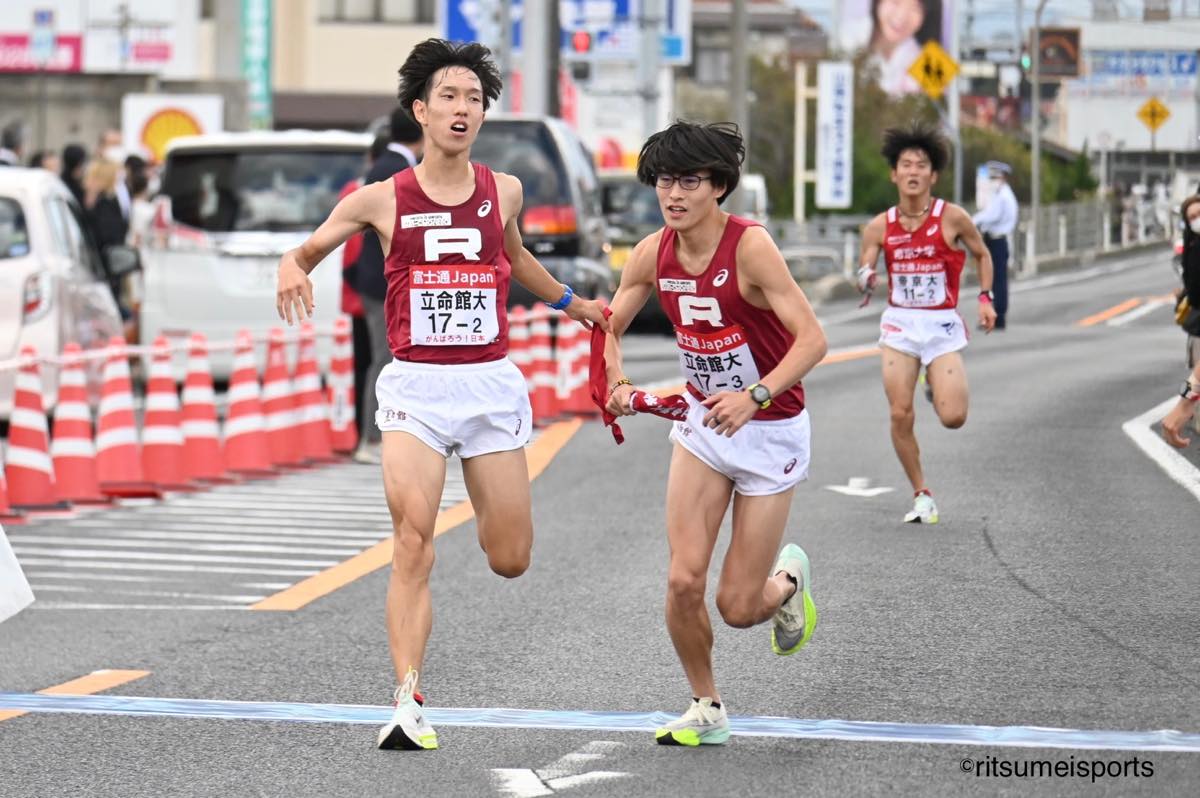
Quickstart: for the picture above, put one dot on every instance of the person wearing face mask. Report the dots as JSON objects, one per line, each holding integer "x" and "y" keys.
{"x": 900, "y": 28}
{"x": 1189, "y": 212}
{"x": 996, "y": 222}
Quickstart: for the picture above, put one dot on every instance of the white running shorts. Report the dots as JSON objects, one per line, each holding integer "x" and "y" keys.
{"x": 924, "y": 334}
{"x": 471, "y": 409}
{"x": 762, "y": 458}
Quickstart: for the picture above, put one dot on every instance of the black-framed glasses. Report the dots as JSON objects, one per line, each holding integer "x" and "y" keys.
{"x": 686, "y": 182}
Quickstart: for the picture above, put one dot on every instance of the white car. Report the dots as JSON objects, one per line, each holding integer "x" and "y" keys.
{"x": 230, "y": 205}
{"x": 53, "y": 287}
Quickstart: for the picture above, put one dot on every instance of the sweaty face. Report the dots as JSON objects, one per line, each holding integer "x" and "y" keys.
{"x": 914, "y": 173}
{"x": 683, "y": 208}
{"x": 899, "y": 19}
{"x": 454, "y": 111}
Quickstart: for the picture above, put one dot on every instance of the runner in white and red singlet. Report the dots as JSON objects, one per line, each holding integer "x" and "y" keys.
{"x": 746, "y": 335}
{"x": 450, "y": 230}
{"x": 921, "y": 326}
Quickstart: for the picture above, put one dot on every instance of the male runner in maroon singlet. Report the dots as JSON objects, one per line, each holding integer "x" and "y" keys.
{"x": 921, "y": 326}
{"x": 449, "y": 228}
{"x": 746, "y": 335}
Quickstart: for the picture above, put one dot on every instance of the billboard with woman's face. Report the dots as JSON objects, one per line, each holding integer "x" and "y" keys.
{"x": 893, "y": 33}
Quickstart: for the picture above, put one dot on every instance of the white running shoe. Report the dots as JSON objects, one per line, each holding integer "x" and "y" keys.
{"x": 924, "y": 511}
{"x": 796, "y": 618}
{"x": 408, "y": 729}
{"x": 702, "y": 724}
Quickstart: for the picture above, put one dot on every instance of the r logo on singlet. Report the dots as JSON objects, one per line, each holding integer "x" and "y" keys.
{"x": 465, "y": 241}
{"x": 699, "y": 308}
{"x": 721, "y": 277}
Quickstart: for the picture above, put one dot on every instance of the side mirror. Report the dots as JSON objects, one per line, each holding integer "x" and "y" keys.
{"x": 121, "y": 260}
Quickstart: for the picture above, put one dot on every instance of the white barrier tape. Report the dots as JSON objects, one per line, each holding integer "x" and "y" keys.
{"x": 25, "y": 418}
{"x": 32, "y": 459}
{"x": 199, "y": 429}
{"x": 110, "y": 439}
{"x": 196, "y": 395}
{"x": 162, "y": 435}
{"x": 243, "y": 425}
{"x": 72, "y": 447}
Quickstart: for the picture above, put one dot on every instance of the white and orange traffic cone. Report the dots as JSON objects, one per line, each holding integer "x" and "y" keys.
{"x": 201, "y": 436}
{"x": 72, "y": 447}
{"x": 279, "y": 405}
{"x": 316, "y": 445}
{"x": 118, "y": 461}
{"x": 542, "y": 369}
{"x": 343, "y": 424}
{"x": 518, "y": 342}
{"x": 162, "y": 437}
{"x": 30, "y": 470}
{"x": 246, "y": 450}
{"x": 7, "y": 514}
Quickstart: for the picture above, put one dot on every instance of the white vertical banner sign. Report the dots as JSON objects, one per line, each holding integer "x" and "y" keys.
{"x": 835, "y": 134}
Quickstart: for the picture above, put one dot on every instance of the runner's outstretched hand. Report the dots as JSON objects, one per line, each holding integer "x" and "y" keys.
{"x": 293, "y": 291}
{"x": 589, "y": 312}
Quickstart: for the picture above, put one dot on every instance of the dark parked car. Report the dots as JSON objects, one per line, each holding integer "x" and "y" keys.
{"x": 632, "y": 212}
{"x": 562, "y": 222}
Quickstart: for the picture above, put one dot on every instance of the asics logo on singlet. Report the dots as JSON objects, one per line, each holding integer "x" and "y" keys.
{"x": 484, "y": 209}
{"x": 465, "y": 241}
{"x": 932, "y": 230}
{"x": 721, "y": 277}
{"x": 699, "y": 308}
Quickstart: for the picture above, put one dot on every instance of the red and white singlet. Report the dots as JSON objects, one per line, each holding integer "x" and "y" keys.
{"x": 447, "y": 275}
{"x": 923, "y": 270}
{"x": 725, "y": 343}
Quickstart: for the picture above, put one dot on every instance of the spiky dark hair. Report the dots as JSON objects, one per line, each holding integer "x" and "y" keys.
{"x": 431, "y": 55}
{"x": 687, "y": 147}
{"x": 915, "y": 136}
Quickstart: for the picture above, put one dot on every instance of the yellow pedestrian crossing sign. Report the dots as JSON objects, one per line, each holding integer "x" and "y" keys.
{"x": 934, "y": 69}
{"x": 1153, "y": 114}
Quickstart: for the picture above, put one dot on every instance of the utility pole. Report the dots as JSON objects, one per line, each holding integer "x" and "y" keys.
{"x": 504, "y": 58}
{"x": 649, "y": 59}
{"x": 536, "y": 71}
{"x": 1035, "y": 135}
{"x": 739, "y": 87}
{"x": 953, "y": 114}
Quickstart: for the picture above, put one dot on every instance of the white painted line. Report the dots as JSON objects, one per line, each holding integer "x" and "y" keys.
{"x": 67, "y": 605}
{"x": 314, "y": 539}
{"x": 59, "y": 562}
{"x": 573, "y": 763}
{"x": 1144, "y": 309}
{"x": 75, "y": 576}
{"x": 151, "y": 593}
{"x": 219, "y": 525}
{"x": 519, "y": 783}
{"x": 1178, "y": 467}
{"x": 594, "y": 777}
{"x": 249, "y": 548}
{"x": 84, "y": 554}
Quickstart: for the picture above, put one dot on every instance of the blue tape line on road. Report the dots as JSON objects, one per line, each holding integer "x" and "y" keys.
{"x": 796, "y": 728}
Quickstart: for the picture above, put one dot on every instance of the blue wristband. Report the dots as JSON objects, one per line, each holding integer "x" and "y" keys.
{"x": 567, "y": 296}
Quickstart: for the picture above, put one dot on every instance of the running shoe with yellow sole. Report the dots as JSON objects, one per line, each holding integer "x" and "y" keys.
{"x": 796, "y": 618}
{"x": 702, "y": 724}
{"x": 924, "y": 510}
{"x": 408, "y": 729}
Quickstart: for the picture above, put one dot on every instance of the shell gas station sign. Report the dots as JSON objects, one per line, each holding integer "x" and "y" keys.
{"x": 150, "y": 121}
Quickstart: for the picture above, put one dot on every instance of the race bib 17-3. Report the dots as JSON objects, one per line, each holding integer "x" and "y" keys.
{"x": 715, "y": 362}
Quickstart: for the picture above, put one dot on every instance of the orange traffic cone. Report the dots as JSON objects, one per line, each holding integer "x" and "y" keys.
{"x": 279, "y": 405}
{"x": 312, "y": 413}
{"x": 30, "y": 470}
{"x": 117, "y": 456}
{"x": 518, "y": 341}
{"x": 246, "y": 450}
{"x": 7, "y": 514}
{"x": 544, "y": 395}
{"x": 72, "y": 447}
{"x": 201, "y": 437}
{"x": 343, "y": 425}
{"x": 162, "y": 439}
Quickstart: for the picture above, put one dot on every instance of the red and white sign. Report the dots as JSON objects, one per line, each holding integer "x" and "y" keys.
{"x": 16, "y": 54}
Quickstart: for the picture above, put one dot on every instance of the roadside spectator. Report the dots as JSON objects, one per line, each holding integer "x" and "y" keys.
{"x": 12, "y": 144}
{"x": 1189, "y": 212}
{"x": 351, "y": 302}
{"x": 46, "y": 159}
{"x": 997, "y": 222}
{"x": 1174, "y": 422}
{"x": 402, "y": 152}
{"x": 103, "y": 212}
{"x": 74, "y": 161}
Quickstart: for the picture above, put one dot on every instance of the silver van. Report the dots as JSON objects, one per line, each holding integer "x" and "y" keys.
{"x": 230, "y": 205}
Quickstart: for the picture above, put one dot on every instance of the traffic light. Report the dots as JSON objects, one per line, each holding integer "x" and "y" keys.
{"x": 1026, "y": 60}
{"x": 581, "y": 42}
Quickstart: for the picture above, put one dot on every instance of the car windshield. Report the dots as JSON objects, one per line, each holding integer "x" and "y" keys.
{"x": 258, "y": 189}
{"x": 526, "y": 150}
{"x": 630, "y": 204}
{"x": 14, "y": 238}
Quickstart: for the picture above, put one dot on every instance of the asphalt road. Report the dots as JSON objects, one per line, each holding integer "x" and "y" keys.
{"x": 1059, "y": 590}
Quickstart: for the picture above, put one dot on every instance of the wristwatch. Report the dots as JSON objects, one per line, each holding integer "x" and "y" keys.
{"x": 1189, "y": 392}
{"x": 985, "y": 296}
{"x": 761, "y": 394}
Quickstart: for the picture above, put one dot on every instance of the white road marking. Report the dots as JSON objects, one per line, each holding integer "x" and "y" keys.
{"x": 858, "y": 486}
{"x": 153, "y": 593}
{"x": 85, "y": 554}
{"x": 519, "y": 783}
{"x": 59, "y": 562}
{"x": 1144, "y": 309}
{"x": 172, "y": 533}
{"x": 1178, "y": 467}
{"x": 249, "y": 548}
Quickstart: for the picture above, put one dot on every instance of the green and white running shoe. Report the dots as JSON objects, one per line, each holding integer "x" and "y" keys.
{"x": 924, "y": 510}
{"x": 702, "y": 724}
{"x": 796, "y": 618}
{"x": 408, "y": 729}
